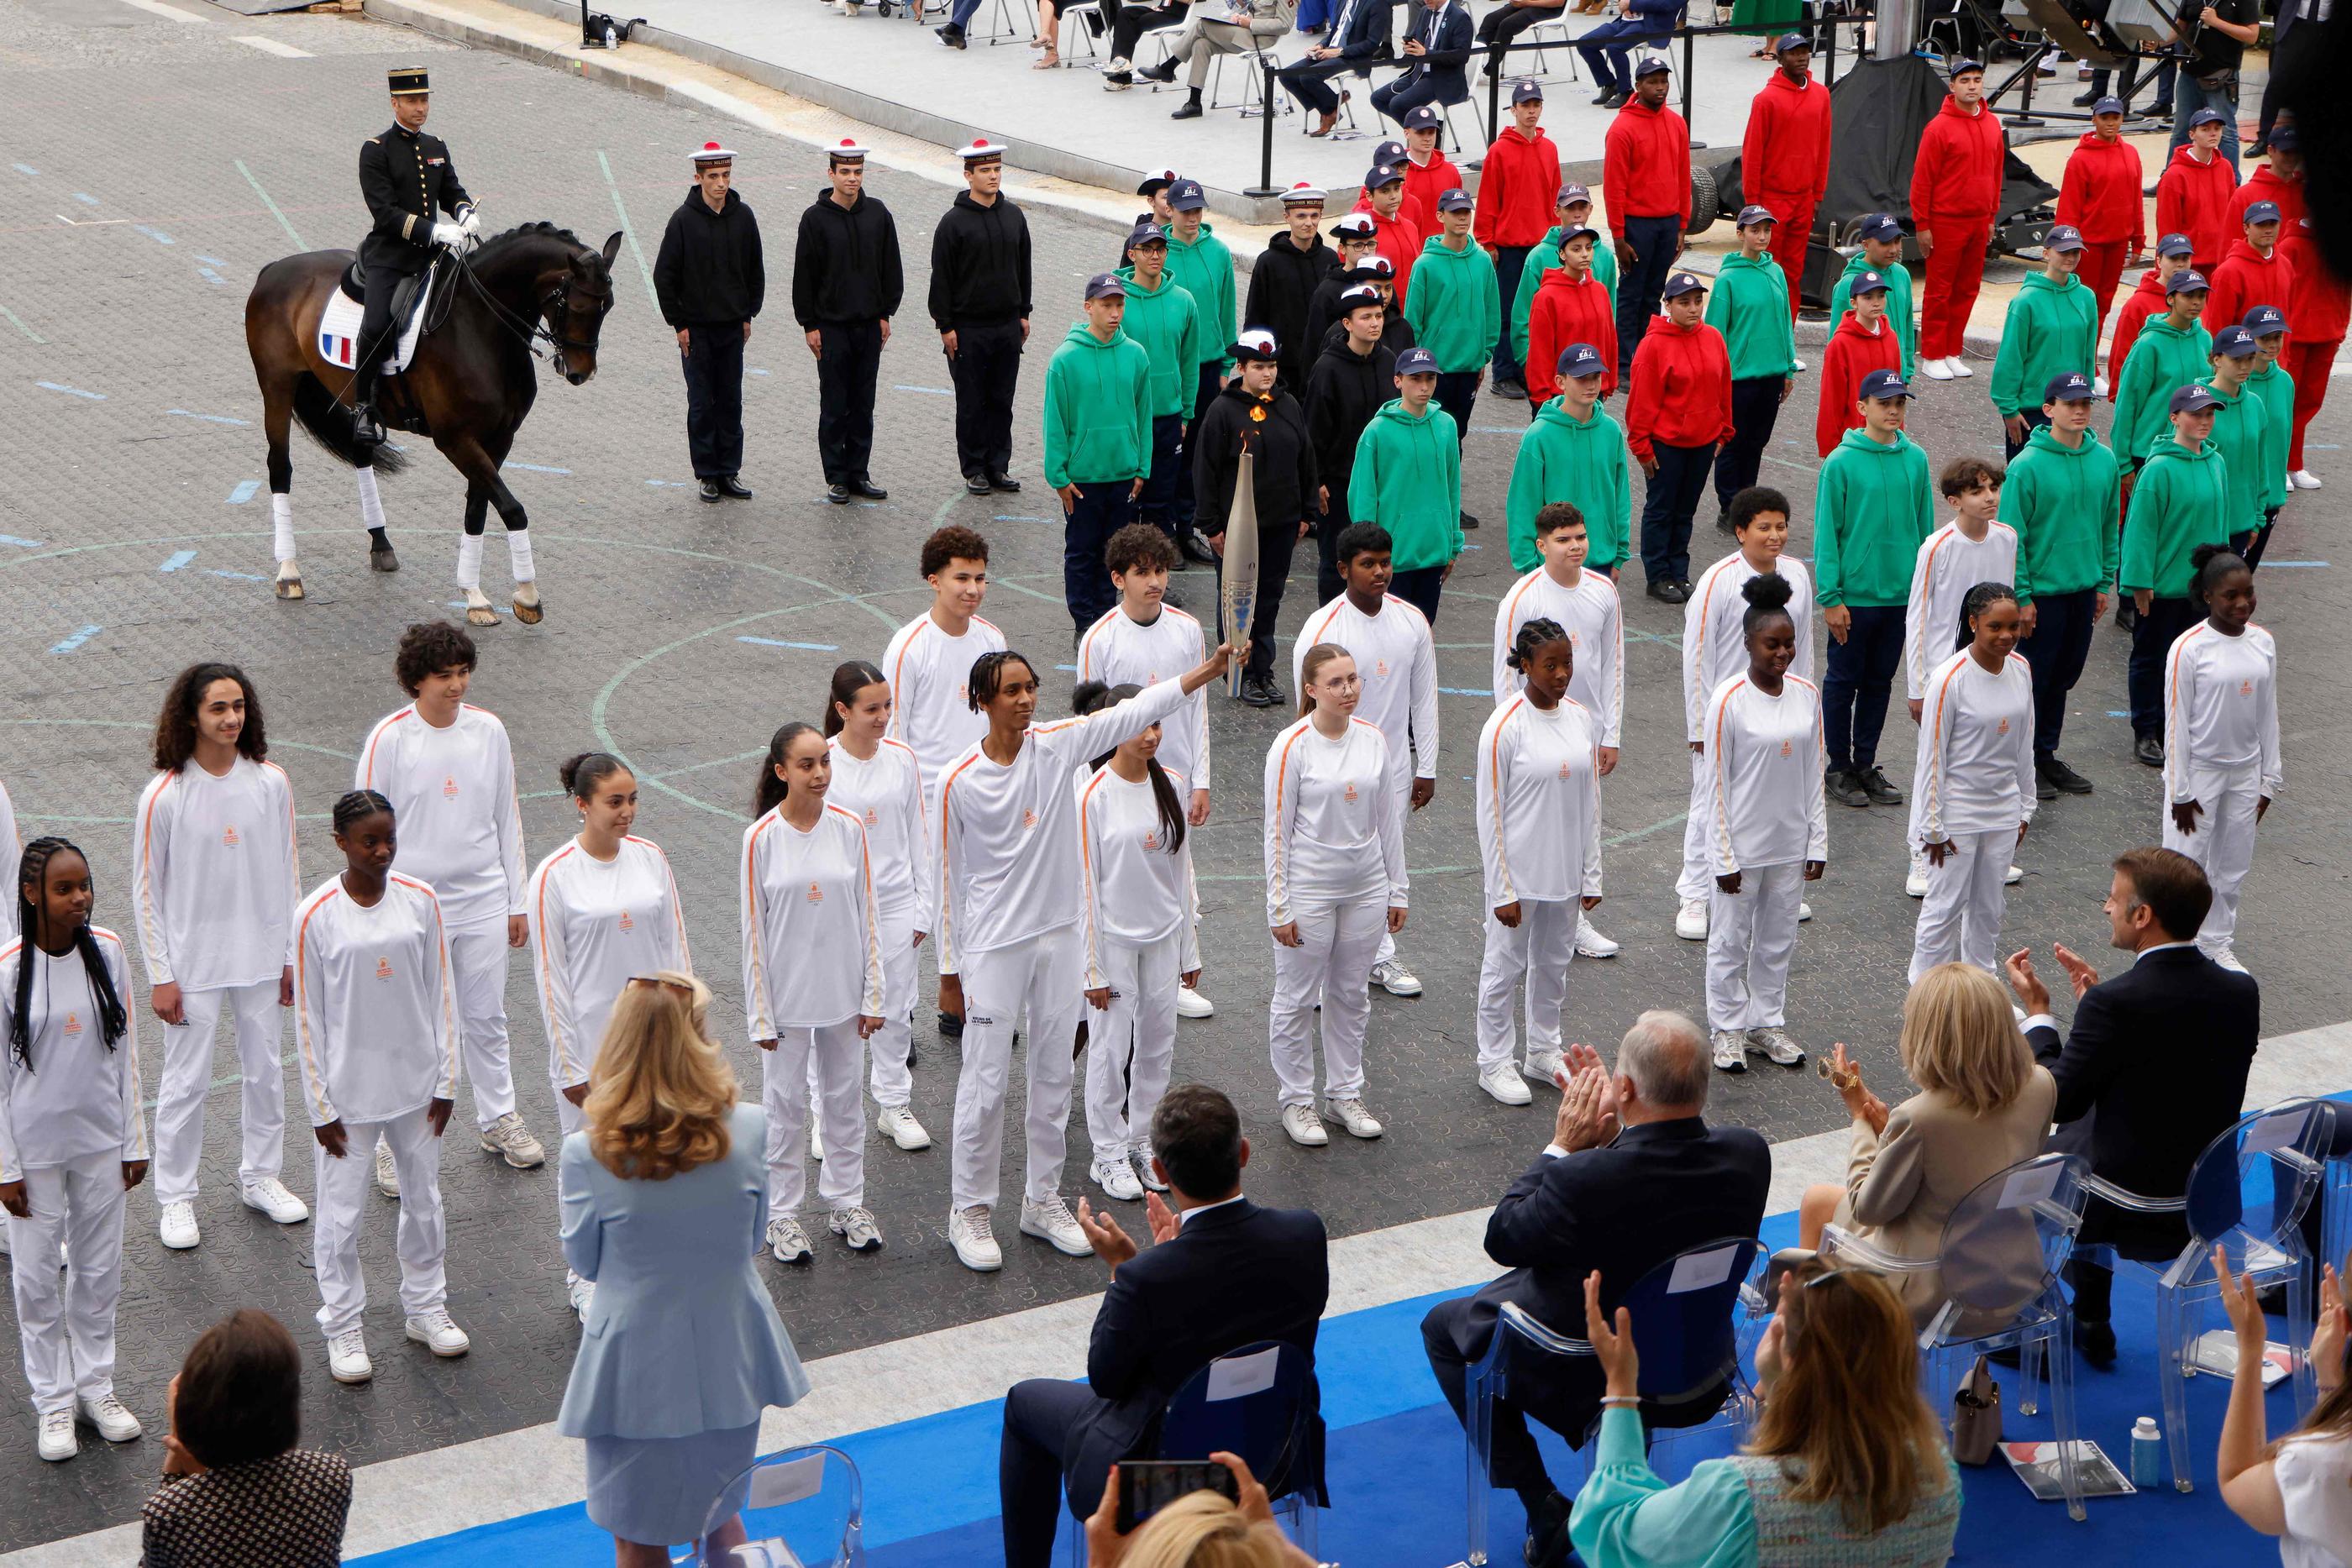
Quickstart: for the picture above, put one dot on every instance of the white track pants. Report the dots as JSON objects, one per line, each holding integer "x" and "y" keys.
{"x": 1695, "y": 880}
{"x": 66, "y": 1317}
{"x": 1960, "y": 920}
{"x": 1131, "y": 1044}
{"x": 477, "y": 957}
{"x": 834, "y": 1056}
{"x": 1386, "y": 948}
{"x": 1042, "y": 976}
{"x": 569, "y": 1119}
{"x": 187, "y": 1075}
{"x": 1751, "y": 935}
{"x": 886, "y": 1073}
{"x": 1537, "y": 951}
{"x": 343, "y": 1188}
{"x": 1337, "y": 941}
{"x": 2224, "y": 843}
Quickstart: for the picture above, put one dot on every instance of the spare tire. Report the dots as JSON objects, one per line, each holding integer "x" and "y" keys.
{"x": 1704, "y": 206}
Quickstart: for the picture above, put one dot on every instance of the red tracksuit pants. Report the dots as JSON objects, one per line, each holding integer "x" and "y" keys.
{"x": 2102, "y": 270}
{"x": 1792, "y": 232}
{"x": 1955, "y": 273}
{"x": 2308, "y": 364}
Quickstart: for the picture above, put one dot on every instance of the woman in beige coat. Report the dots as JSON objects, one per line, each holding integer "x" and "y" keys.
{"x": 1983, "y": 1105}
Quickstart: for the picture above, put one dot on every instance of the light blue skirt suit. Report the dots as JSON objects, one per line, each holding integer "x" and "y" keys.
{"x": 682, "y": 1349}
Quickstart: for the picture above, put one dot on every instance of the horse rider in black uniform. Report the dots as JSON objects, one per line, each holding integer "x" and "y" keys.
{"x": 405, "y": 177}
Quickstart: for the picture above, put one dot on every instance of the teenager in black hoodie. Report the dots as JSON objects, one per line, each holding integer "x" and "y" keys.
{"x": 1282, "y": 281}
{"x": 846, "y": 285}
{"x": 1352, "y": 380}
{"x": 1250, "y": 407}
{"x": 710, "y": 280}
{"x": 980, "y": 303}
{"x": 1357, "y": 241}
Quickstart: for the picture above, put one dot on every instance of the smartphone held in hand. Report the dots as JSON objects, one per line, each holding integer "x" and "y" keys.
{"x": 1146, "y": 1486}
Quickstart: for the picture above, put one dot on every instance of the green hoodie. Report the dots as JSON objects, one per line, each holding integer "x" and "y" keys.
{"x": 1205, "y": 269}
{"x": 2062, "y": 501}
{"x": 1898, "y": 304}
{"x": 1749, "y": 306}
{"x": 2052, "y": 328}
{"x": 1457, "y": 311}
{"x": 1168, "y": 324}
{"x": 1097, "y": 409}
{"x": 1543, "y": 260}
{"x": 1873, "y": 509}
{"x": 1582, "y": 464}
{"x": 2163, "y": 360}
{"x": 2242, "y": 432}
{"x": 2180, "y": 501}
{"x": 1408, "y": 479}
{"x": 2276, "y": 388}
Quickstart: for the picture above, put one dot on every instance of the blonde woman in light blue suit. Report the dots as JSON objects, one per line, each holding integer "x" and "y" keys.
{"x": 665, "y": 1208}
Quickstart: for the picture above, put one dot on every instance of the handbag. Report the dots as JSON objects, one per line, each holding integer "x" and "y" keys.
{"x": 1976, "y": 1415}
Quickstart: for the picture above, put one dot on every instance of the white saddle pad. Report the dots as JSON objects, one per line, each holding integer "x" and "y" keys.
{"x": 339, "y": 328}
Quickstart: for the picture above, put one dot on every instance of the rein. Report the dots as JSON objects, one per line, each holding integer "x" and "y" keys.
{"x": 530, "y": 333}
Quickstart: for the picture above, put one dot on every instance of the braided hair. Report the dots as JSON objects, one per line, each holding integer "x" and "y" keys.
{"x": 357, "y": 806}
{"x": 1980, "y": 599}
{"x": 1092, "y": 697}
{"x": 1534, "y": 635}
{"x": 988, "y": 675}
{"x": 112, "y": 1021}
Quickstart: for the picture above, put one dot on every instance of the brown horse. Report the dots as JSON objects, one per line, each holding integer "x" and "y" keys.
{"x": 468, "y": 387}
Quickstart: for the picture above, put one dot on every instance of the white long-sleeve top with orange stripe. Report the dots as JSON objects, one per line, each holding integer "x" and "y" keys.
{"x": 1765, "y": 758}
{"x": 2221, "y": 708}
{"x": 453, "y": 799}
{"x": 1008, "y": 867}
{"x": 14, "y": 847}
{"x": 213, "y": 875}
{"x": 1538, "y": 789}
{"x": 594, "y": 924}
{"x": 1974, "y": 772}
{"x": 1397, "y": 661}
{"x": 1333, "y": 819}
{"x": 812, "y": 939}
{"x": 885, "y": 793}
{"x": 1137, "y": 894}
{"x": 1713, "y": 647}
{"x": 1949, "y": 563}
{"x": 929, "y": 674}
{"x": 1118, "y": 650}
{"x": 78, "y": 1097}
{"x": 375, "y": 1025}
{"x": 1590, "y": 613}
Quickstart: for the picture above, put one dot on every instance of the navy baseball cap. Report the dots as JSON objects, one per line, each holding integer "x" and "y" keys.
{"x": 2187, "y": 281}
{"x": 1359, "y": 225}
{"x": 2262, "y": 213}
{"x": 1652, "y": 65}
{"x": 2063, "y": 236}
{"x": 1106, "y": 286}
{"x": 2108, "y": 105}
{"x": 1752, "y": 214}
{"x": 2071, "y": 387}
{"x": 1581, "y": 359}
{"x": 1787, "y": 41}
{"x": 1964, "y": 65}
{"x": 2264, "y": 319}
{"x": 1586, "y": 233}
{"x": 1885, "y": 384}
{"x": 2176, "y": 244}
{"x": 1255, "y": 343}
{"x": 1356, "y": 296}
{"x": 1416, "y": 361}
{"x": 1526, "y": 90}
{"x": 1389, "y": 152}
{"x": 1456, "y": 200}
{"x": 1422, "y": 117}
{"x": 1146, "y": 233}
{"x": 1867, "y": 282}
{"x": 2207, "y": 117}
{"x": 1683, "y": 283}
{"x": 2193, "y": 399}
{"x": 1572, "y": 193}
{"x": 1879, "y": 226}
{"x": 2236, "y": 342}
{"x": 1186, "y": 196}
{"x": 2285, "y": 137}
{"x": 1381, "y": 174}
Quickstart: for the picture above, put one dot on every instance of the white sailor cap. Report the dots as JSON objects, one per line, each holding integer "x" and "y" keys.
{"x": 1301, "y": 194}
{"x": 847, "y": 150}
{"x": 711, "y": 152}
{"x": 980, "y": 147}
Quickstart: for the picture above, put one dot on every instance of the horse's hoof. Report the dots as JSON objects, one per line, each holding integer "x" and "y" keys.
{"x": 383, "y": 560}
{"x": 530, "y": 612}
{"x": 480, "y": 615}
{"x": 289, "y": 582}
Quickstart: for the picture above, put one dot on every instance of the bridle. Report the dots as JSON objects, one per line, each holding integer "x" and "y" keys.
{"x": 559, "y": 303}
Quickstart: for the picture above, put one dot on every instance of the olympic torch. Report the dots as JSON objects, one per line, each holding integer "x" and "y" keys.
{"x": 1237, "y": 591}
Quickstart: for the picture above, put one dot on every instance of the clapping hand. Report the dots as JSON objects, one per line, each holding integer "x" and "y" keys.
{"x": 1109, "y": 1239}
{"x": 1165, "y": 1221}
{"x": 2081, "y": 975}
{"x": 2327, "y": 1336}
{"x": 2243, "y": 1299}
{"x": 1859, "y": 1102}
{"x": 2032, "y": 994}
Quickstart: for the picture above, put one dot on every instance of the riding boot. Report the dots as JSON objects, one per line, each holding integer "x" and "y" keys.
{"x": 367, "y": 430}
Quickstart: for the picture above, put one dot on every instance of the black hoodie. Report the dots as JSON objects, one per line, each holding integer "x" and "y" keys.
{"x": 846, "y": 267}
{"x": 980, "y": 264}
{"x": 1396, "y": 334}
{"x": 1286, "y": 473}
{"x": 710, "y": 270}
{"x": 1281, "y": 286}
{"x": 1323, "y": 307}
{"x": 1344, "y": 390}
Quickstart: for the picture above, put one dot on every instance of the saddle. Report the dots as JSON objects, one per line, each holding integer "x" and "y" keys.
{"x": 339, "y": 324}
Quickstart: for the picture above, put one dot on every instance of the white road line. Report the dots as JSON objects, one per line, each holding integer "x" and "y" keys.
{"x": 270, "y": 46}
{"x": 172, "y": 12}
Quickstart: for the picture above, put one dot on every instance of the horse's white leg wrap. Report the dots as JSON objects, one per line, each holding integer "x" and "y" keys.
{"x": 371, "y": 502}
{"x": 469, "y": 562}
{"x": 281, "y": 525}
{"x": 519, "y": 552}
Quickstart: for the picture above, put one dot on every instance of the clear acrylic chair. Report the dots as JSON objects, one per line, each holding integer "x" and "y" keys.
{"x": 802, "y": 1508}
{"x": 1995, "y": 1278}
{"x": 1684, "y": 1324}
{"x": 2246, "y": 1194}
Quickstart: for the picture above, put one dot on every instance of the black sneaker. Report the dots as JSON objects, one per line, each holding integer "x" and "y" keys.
{"x": 1668, "y": 592}
{"x": 952, "y": 1026}
{"x": 1516, "y": 391}
{"x": 1601, "y": 100}
{"x": 1000, "y": 480}
{"x": 1469, "y": 520}
{"x": 1844, "y": 785}
{"x": 733, "y": 487}
{"x": 710, "y": 490}
{"x": 951, "y": 34}
{"x": 2149, "y": 750}
{"x": 1877, "y": 786}
{"x": 1547, "y": 1545}
{"x": 1723, "y": 520}
{"x": 975, "y": 484}
{"x": 2042, "y": 789}
{"x": 837, "y": 494}
{"x": 1165, "y": 71}
{"x": 2126, "y": 613}
{"x": 2065, "y": 778}
{"x": 1259, "y": 691}
{"x": 865, "y": 489}
{"x": 1195, "y": 545}
{"x": 1186, "y": 110}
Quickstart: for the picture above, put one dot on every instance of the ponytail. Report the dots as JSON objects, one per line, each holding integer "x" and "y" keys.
{"x": 848, "y": 680}
{"x": 112, "y": 1021}
{"x": 1091, "y": 697}
{"x": 770, "y": 791}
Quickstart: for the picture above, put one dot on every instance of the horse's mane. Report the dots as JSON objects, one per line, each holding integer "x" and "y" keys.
{"x": 534, "y": 231}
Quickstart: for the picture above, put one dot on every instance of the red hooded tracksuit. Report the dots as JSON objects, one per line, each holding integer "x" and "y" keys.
{"x": 2246, "y": 279}
{"x": 1517, "y": 187}
{"x": 2145, "y": 301}
{"x": 1784, "y": 164}
{"x": 1565, "y": 313}
{"x": 1956, "y": 180}
{"x": 2100, "y": 195}
{"x": 1682, "y": 388}
{"x": 1855, "y": 350}
{"x": 2193, "y": 198}
{"x": 1399, "y": 239}
{"x": 2316, "y": 325}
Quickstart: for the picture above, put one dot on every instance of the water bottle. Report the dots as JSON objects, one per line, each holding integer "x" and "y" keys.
{"x": 2146, "y": 1453}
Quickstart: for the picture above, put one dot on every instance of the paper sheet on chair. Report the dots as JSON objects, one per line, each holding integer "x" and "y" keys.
{"x": 2036, "y": 1464}
{"x": 1238, "y": 1377}
{"x": 773, "y": 1486}
{"x": 1702, "y": 1271}
{"x": 2216, "y": 1352}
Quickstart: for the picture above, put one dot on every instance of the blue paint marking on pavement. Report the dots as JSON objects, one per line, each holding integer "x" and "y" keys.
{"x": 2314, "y": 446}
{"x": 158, "y": 236}
{"x": 933, "y": 392}
{"x": 1072, "y": 668}
{"x": 212, "y": 261}
{"x": 1465, "y": 691}
{"x": 245, "y": 491}
{"x": 2267, "y": 562}
{"x": 76, "y": 640}
{"x": 1470, "y": 546}
{"x": 535, "y": 467}
{"x": 1497, "y": 430}
{"x": 20, "y": 544}
{"x": 2117, "y": 713}
{"x": 207, "y": 418}
{"x": 755, "y": 372}
{"x": 179, "y": 558}
{"x": 210, "y": 275}
{"x": 70, "y": 391}
{"x": 668, "y": 485}
{"x": 27, "y": 169}
{"x": 238, "y": 575}
{"x": 775, "y": 643}
{"x": 85, "y": 199}
{"x": 1010, "y": 518}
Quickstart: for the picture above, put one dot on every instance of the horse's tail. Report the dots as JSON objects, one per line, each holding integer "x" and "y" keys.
{"x": 330, "y": 425}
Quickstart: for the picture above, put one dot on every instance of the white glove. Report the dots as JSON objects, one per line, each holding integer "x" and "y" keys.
{"x": 472, "y": 224}
{"x": 447, "y": 233}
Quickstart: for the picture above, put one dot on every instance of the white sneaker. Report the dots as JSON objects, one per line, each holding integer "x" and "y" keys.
{"x": 439, "y": 1334}
{"x": 1052, "y": 1221}
{"x": 1730, "y": 1051}
{"x": 1690, "y": 920}
{"x": 2099, "y": 386}
{"x": 114, "y": 1423}
{"x": 1504, "y": 1083}
{"x": 2303, "y": 479}
{"x": 57, "y": 1439}
{"x": 1804, "y": 912}
{"x": 1779, "y": 1044}
{"x": 178, "y": 1227}
{"x": 387, "y": 1175}
{"x": 1304, "y": 1127}
{"x": 856, "y": 1226}
{"x": 1360, "y": 1122}
{"x": 2012, "y": 877}
{"x": 1958, "y": 367}
{"x": 1936, "y": 370}
{"x": 1543, "y": 1065}
{"x": 2227, "y": 956}
{"x": 582, "y": 1295}
{"x": 511, "y": 1141}
{"x": 1591, "y": 943}
{"x": 1915, "y": 881}
{"x": 347, "y": 1357}
{"x": 897, "y": 1123}
{"x": 1117, "y": 1178}
{"x": 1393, "y": 976}
{"x": 1192, "y": 1004}
{"x": 786, "y": 1239}
{"x": 974, "y": 1241}
{"x": 1798, "y": 366}
{"x": 270, "y": 1198}
{"x": 1142, "y": 1155}
{"x": 816, "y": 1141}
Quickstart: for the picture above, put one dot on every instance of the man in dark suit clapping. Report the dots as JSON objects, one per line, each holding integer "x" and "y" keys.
{"x": 2156, "y": 1064}
{"x": 1632, "y": 1178}
{"x": 1222, "y": 1273}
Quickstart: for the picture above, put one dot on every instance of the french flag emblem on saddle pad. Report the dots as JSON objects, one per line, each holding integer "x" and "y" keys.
{"x": 339, "y": 328}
